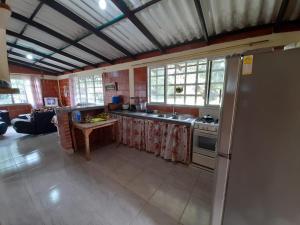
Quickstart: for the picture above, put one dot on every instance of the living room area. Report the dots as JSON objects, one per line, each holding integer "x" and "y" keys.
{"x": 28, "y": 112}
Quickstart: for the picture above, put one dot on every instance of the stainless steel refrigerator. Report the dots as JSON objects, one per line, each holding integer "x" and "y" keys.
{"x": 258, "y": 164}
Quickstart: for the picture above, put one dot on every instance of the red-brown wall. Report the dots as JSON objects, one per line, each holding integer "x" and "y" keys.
{"x": 65, "y": 100}
{"x": 25, "y": 70}
{"x": 15, "y": 110}
{"x": 50, "y": 88}
{"x": 140, "y": 83}
{"x": 122, "y": 79}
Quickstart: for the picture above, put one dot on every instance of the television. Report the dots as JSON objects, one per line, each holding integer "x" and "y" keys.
{"x": 51, "y": 102}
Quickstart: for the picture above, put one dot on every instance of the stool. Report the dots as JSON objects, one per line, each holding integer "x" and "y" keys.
{"x": 3, "y": 128}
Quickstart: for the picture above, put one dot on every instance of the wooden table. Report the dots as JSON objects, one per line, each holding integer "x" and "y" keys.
{"x": 87, "y": 129}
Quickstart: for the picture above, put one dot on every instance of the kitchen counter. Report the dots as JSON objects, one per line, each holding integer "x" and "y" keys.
{"x": 182, "y": 119}
{"x": 78, "y": 108}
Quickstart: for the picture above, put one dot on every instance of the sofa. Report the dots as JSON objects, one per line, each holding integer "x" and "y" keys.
{"x": 38, "y": 123}
{"x": 4, "y": 116}
{"x": 3, "y": 128}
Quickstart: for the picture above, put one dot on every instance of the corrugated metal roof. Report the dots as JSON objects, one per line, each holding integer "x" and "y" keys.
{"x": 25, "y": 53}
{"x": 172, "y": 21}
{"x": 91, "y": 12}
{"x": 229, "y": 15}
{"x": 33, "y": 46}
{"x": 129, "y": 36}
{"x": 57, "y": 63}
{"x": 20, "y": 58}
{"x": 23, "y": 7}
{"x": 100, "y": 46}
{"x": 10, "y": 39}
{"x": 66, "y": 59}
{"x": 41, "y": 36}
{"x": 50, "y": 67}
{"x": 15, "y": 25}
{"x": 132, "y": 4}
{"x": 58, "y": 22}
{"x": 81, "y": 54}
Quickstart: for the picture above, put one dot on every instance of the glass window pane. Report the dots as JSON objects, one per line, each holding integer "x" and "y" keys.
{"x": 160, "y": 80}
{"x": 180, "y": 68}
{"x": 160, "y": 98}
{"x": 170, "y": 90}
{"x": 180, "y": 79}
{"x": 153, "y": 80}
{"x": 171, "y": 79}
{"x": 217, "y": 76}
{"x": 153, "y": 72}
{"x": 170, "y": 100}
{"x": 200, "y": 100}
{"x": 202, "y": 67}
{"x": 218, "y": 64}
{"x": 215, "y": 94}
{"x": 202, "y": 77}
{"x": 201, "y": 90}
{"x": 179, "y": 100}
{"x": 190, "y": 100}
{"x": 160, "y": 71}
{"x": 191, "y": 78}
{"x": 160, "y": 90}
{"x": 153, "y": 91}
{"x": 5, "y": 99}
{"x": 191, "y": 69}
{"x": 171, "y": 71}
{"x": 191, "y": 89}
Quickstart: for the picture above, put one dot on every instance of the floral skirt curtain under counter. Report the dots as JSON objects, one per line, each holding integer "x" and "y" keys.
{"x": 169, "y": 141}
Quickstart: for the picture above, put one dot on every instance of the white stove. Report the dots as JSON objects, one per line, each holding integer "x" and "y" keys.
{"x": 205, "y": 135}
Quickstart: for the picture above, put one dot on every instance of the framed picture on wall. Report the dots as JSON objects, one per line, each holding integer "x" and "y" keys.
{"x": 111, "y": 86}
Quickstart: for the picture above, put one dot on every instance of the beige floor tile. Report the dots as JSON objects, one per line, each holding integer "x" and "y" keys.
{"x": 171, "y": 200}
{"x": 197, "y": 212}
{"x": 145, "y": 184}
{"x": 151, "y": 215}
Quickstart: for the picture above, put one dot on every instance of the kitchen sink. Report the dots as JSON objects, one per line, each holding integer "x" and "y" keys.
{"x": 167, "y": 116}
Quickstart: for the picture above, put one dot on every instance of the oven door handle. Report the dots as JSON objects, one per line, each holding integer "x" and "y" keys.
{"x": 204, "y": 134}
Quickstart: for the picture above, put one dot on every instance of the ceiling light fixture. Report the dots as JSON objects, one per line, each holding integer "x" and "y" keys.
{"x": 29, "y": 56}
{"x": 102, "y": 4}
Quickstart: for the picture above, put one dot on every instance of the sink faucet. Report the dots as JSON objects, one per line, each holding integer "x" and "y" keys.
{"x": 174, "y": 113}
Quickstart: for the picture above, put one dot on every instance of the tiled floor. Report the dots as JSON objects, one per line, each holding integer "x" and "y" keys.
{"x": 40, "y": 184}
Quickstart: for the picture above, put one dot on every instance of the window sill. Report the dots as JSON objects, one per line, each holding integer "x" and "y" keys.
{"x": 185, "y": 106}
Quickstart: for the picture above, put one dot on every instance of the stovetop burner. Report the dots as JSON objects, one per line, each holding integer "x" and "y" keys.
{"x": 207, "y": 119}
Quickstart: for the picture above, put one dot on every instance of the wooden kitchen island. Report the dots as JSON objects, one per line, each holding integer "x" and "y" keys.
{"x": 88, "y": 128}
{"x": 65, "y": 123}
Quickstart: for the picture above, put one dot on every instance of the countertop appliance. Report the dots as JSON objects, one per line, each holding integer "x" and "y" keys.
{"x": 205, "y": 135}
{"x": 258, "y": 162}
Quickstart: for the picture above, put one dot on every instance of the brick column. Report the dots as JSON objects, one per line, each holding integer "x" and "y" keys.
{"x": 64, "y": 129}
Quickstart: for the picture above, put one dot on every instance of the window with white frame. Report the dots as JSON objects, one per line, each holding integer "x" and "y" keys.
{"x": 195, "y": 82}
{"x": 88, "y": 89}
{"x": 157, "y": 82}
{"x": 25, "y": 95}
